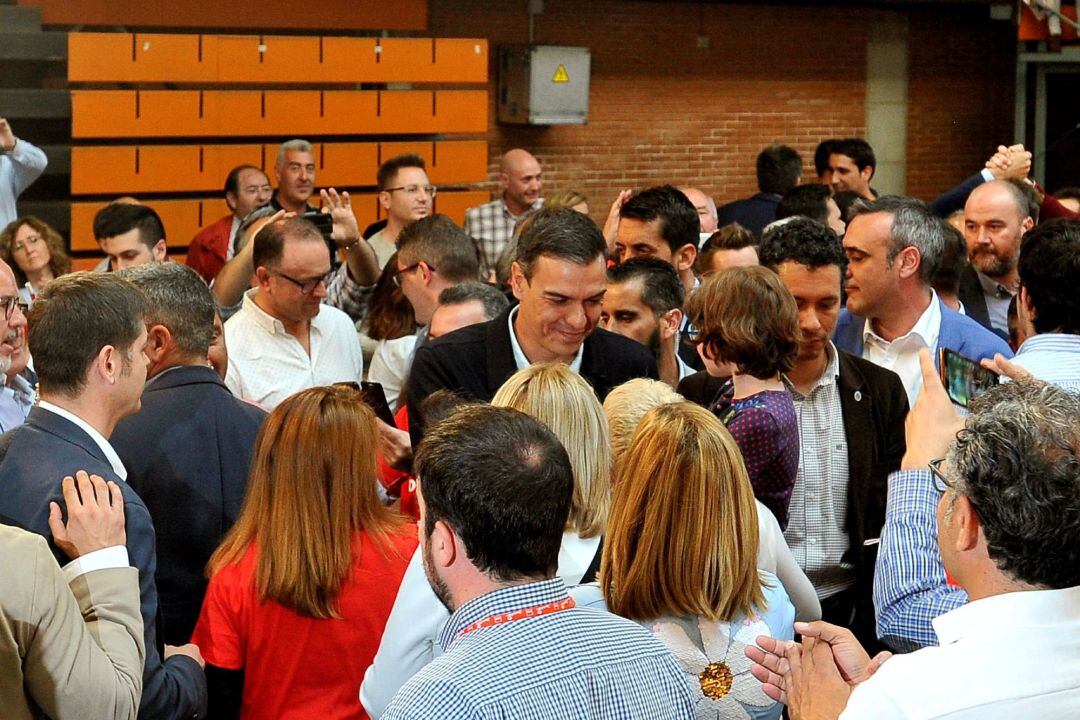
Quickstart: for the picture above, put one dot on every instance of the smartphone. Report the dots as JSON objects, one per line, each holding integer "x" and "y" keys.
{"x": 322, "y": 221}
{"x": 964, "y": 379}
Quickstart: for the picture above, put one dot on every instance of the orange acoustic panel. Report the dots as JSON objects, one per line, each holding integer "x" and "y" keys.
{"x": 454, "y": 204}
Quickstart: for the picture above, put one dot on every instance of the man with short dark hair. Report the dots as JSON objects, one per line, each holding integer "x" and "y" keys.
{"x": 492, "y": 224}
{"x": 188, "y": 449}
{"x": 559, "y": 281}
{"x": 130, "y": 235}
{"x": 495, "y": 491}
{"x": 246, "y": 188}
{"x": 851, "y": 167}
{"x": 405, "y": 195}
{"x": 284, "y": 338}
{"x": 730, "y": 246}
{"x": 660, "y": 222}
{"x": 821, "y": 161}
{"x": 644, "y": 302}
{"x": 88, "y": 340}
{"x": 851, "y": 431}
{"x": 779, "y": 169}
{"x": 893, "y": 246}
{"x": 814, "y": 201}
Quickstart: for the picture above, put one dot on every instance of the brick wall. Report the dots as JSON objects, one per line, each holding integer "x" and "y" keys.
{"x": 663, "y": 110}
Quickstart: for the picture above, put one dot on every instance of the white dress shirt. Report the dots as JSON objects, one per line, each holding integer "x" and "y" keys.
{"x": 902, "y": 354}
{"x": 110, "y": 454}
{"x": 390, "y": 366}
{"x": 267, "y": 364}
{"x": 19, "y": 168}
{"x": 1008, "y": 656}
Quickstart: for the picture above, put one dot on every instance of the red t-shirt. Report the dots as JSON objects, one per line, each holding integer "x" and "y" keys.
{"x": 296, "y": 666}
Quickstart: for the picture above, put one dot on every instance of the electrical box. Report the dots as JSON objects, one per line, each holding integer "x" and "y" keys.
{"x": 543, "y": 85}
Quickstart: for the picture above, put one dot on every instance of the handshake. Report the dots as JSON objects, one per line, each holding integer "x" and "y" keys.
{"x": 1010, "y": 163}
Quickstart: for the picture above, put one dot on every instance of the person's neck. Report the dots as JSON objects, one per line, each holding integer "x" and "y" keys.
{"x": 40, "y": 278}
{"x": 514, "y": 206}
{"x": 294, "y": 206}
{"x": 1010, "y": 280}
{"x": 480, "y": 584}
{"x": 688, "y": 279}
{"x": 806, "y": 373}
{"x": 299, "y": 329}
{"x": 907, "y": 308}
{"x": 393, "y": 228}
{"x": 668, "y": 363}
{"x": 747, "y": 385}
{"x": 988, "y": 581}
{"x": 173, "y": 361}
{"x": 91, "y": 410}
{"x": 534, "y": 351}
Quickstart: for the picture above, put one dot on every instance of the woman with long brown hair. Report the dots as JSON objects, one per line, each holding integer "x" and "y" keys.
{"x": 680, "y": 555}
{"x": 301, "y": 587}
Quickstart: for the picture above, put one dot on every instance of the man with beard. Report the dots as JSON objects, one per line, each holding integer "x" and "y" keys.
{"x": 851, "y": 432}
{"x": 644, "y": 302}
{"x": 996, "y": 216}
{"x": 495, "y": 491}
{"x": 17, "y": 395}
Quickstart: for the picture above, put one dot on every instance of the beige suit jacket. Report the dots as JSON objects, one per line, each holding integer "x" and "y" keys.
{"x": 65, "y": 656}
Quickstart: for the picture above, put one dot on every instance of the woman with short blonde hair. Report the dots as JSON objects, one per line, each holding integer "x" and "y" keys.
{"x": 680, "y": 556}
{"x": 624, "y": 407}
{"x": 562, "y": 400}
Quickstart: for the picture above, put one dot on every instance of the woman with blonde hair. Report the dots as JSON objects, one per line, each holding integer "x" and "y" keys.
{"x": 35, "y": 253}
{"x": 680, "y": 557}
{"x": 301, "y": 587}
{"x": 625, "y": 406}
{"x": 559, "y": 398}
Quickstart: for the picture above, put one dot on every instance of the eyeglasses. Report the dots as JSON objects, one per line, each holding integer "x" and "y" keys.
{"x": 414, "y": 190}
{"x": 693, "y": 334}
{"x": 9, "y": 305}
{"x": 941, "y": 483}
{"x": 410, "y": 268}
{"x": 306, "y": 286}
{"x": 31, "y": 240}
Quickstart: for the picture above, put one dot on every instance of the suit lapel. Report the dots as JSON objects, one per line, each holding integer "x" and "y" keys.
{"x": 500, "y": 353}
{"x": 855, "y": 406}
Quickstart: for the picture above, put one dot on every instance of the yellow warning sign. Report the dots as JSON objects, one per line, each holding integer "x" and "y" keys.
{"x": 560, "y": 75}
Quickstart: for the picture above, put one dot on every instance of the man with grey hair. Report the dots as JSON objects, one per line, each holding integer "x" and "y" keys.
{"x": 893, "y": 246}
{"x": 295, "y": 174}
{"x": 466, "y": 304}
{"x": 188, "y": 449}
{"x": 992, "y": 502}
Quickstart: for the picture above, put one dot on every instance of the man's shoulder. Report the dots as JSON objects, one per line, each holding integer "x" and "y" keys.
{"x": 966, "y": 336}
{"x": 215, "y": 230}
{"x": 482, "y": 208}
{"x": 452, "y": 343}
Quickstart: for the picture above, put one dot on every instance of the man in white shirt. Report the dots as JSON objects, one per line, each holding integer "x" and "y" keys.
{"x": 1007, "y": 479}
{"x": 20, "y": 165}
{"x": 285, "y": 339}
{"x": 893, "y": 246}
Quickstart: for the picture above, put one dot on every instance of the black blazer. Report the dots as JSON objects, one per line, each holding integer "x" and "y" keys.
{"x": 187, "y": 452}
{"x": 974, "y": 299}
{"x": 34, "y": 458}
{"x": 476, "y": 360}
{"x": 753, "y": 213}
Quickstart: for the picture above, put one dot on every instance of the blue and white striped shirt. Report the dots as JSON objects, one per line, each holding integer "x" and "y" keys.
{"x": 578, "y": 663}
{"x": 1053, "y": 358}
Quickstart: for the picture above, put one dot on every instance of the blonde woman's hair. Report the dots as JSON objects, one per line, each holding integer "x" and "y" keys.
{"x": 682, "y": 537}
{"x": 565, "y": 198}
{"x": 626, "y": 405}
{"x": 312, "y": 488}
{"x": 559, "y": 398}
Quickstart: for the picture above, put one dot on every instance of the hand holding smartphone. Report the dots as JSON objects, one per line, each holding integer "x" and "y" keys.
{"x": 964, "y": 379}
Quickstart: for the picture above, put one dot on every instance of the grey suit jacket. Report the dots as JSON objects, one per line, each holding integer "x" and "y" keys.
{"x": 63, "y": 656}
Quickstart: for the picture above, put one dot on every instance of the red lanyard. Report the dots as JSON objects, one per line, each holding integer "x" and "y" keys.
{"x": 529, "y": 612}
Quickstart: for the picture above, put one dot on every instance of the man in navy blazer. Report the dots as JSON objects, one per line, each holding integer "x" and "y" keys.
{"x": 778, "y": 170}
{"x": 188, "y": 450}
{"x": 893, "y": 246}
{"x": 87, "y": 338}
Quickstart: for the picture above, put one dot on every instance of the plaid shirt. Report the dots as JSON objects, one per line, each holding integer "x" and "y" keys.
{"x": 345, "y": 294}
{"x": 491, "y": 225}
{"x": 577, "y": 663}
{"x": 910, "y": 588}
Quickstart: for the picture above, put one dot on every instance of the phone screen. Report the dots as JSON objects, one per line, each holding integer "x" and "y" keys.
{"x": 964, "y": 378}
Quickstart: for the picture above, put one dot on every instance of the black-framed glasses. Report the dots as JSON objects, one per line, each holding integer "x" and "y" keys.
{"x": 10, "y": 303}
{"x": 941, "y": 482}
{"x": 431, "y": 190}
{"x": 306, "y": 286}
{"x": 410, "y": 268}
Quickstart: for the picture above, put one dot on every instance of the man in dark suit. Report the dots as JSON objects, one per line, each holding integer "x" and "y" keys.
{"x": 87, "y": 338}
{"x": 559, "y": 280}
{"x": 843, "y": 403}
{"x": 778, "y": 170}
{"x": 188, "y": 449}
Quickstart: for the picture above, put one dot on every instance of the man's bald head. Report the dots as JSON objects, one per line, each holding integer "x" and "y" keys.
{"x": 1001, "y": 193}
{"x": 705, "y": 206}
{"x": 520, "y": 180}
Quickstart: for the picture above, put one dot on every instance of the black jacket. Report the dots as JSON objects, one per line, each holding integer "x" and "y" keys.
{"x": 476, "y": 360}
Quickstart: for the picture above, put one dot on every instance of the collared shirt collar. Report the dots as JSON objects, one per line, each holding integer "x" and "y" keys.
{"x": 973, "y": 618}
{"x": 994, "y": 288}
{"x": 502, "y": 600}
{"x": 828, "y": 377}
{"x": 927, "y": 327}
{"x": 110, "y": 454}
{"x": 522, "y": 362}
{"x": 265, "y": 320}
{"x": 511, "y": 216}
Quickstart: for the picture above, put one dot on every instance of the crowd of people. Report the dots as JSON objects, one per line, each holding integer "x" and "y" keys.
{"x": 699, "y": 462}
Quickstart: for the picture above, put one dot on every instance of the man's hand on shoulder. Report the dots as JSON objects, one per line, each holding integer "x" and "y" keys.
{"x": 95, "y": 512}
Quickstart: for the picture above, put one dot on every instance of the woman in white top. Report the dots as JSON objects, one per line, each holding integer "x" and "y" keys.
{"x": 559, "y": 398}
{"x": 626, "y": 405}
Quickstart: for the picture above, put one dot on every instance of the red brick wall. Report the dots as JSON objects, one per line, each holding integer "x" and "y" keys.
{"x": 663, "y": 110}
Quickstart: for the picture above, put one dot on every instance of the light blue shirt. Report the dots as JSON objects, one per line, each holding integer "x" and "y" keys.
{"x": 1053, "y": 358}
{"x": 15, "y": 403}
{"x": 18, "y": 170}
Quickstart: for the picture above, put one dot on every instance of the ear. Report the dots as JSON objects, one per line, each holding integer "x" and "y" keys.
{"x": 230, "y": 200}
{"x": 427, "y": 275}
{"x": 504, "y": 180}
{"x": 1025, "y": 311}
{"x": 669, "y": 323}
{"x": 684, "y": 257}
{"x": 160, "y": 250}
{"x": 909, "y": 261}
{"x": 443, "y": 544}
{"x": 262, "y": 276}
{"x": 867, "y": 172}
{"x": 158, "y": 343}
{"x": 1027, "y": 224}
{"x": 967, "y": 523}
{"x": 108, "y": 364}
{"x": 517, "y": 280}
{"x": 384, "y": 200}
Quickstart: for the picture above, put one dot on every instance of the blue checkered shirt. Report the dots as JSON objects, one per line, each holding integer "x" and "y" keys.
{"x": 578, "y": 663}
{"x": 1052, "y": 357}
{"x": 910, "y": 588}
